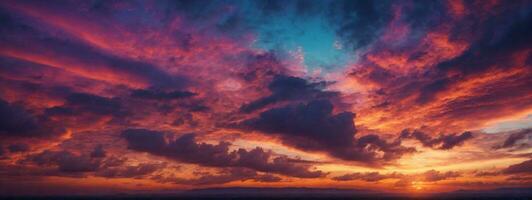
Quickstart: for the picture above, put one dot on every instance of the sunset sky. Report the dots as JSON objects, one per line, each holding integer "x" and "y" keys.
{"x": 100, "y": 97}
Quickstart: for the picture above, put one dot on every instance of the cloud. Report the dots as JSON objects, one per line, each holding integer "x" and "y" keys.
{"x": 83, "y": 111}
{"x": 312, "y": 121}
{"x": 428, "y": 176}
{"x": 445, "y": 74}
{"x": 524, "y": 167}
{"x": 228, "y": 175}
{"x": 79, "y": 103}
{"x": 495, "y": 49}
{"x": 359, "y": 22}
{"x": 444, "y": 142}
{"x": 186, "y": 149}
{"x": 514, "y": 137}
{"x": 487, "y": 173}
{"x": 267, "y": 178}
{"x": 66, "y": 161}
{"x": 525, "y": 179}
{"x": 144, "y": 140}
{"x": 313, "y": 127}
{"x": 434, "y": 176}
{"x": 368, "y": 176}
{"x": 15, "y": 121}
{"x": 18, "y": 147}
{"x": 131, "y": 171}
{"x": 79, "y": 58}
{"x": 161, "y": 95}
{"x": 285, "y": 88}
{"x": 105, "y": 67}
{"x": 402, "y": 183}
{"x": 98, "y": 152}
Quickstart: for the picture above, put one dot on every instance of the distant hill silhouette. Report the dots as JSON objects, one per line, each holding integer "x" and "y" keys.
{"x": 303, "y": 193}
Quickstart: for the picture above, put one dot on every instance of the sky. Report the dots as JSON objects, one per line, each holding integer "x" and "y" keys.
{"x": 101, "y": 97}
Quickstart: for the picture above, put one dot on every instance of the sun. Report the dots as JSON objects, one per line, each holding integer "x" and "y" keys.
{"x": 417, "y": 185}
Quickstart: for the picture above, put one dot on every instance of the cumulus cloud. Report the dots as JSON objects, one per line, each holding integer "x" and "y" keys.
{"x": 186, "y": 149}
{"x": 313, "y": 121}
{"x": 313, "y": 126}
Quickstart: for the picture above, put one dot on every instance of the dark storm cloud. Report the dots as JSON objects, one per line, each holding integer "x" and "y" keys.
{"x": 284, "y": 88}
{"x": 186, "y": 149}
{"x": 524, "y": 168}
{"x": 161, "y": 95}
{"x": 15, "y": 121}
{"x": 312, "y": 126}
{"x": 443, "y": 142}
